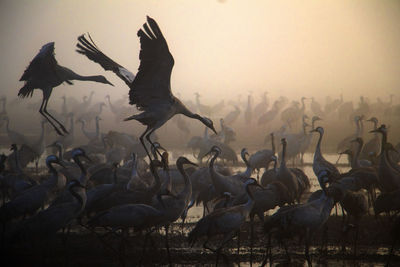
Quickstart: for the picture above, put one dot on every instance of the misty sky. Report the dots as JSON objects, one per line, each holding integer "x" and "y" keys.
{"x": 221, "y": 48}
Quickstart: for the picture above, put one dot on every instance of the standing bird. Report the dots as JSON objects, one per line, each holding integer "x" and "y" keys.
{"x": 150, "y": 89}
{"x": 225, "y": 221}
{"x": 44, "y": 73}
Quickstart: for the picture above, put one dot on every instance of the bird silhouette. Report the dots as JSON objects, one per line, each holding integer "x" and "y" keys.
{"x": 44, "y": 73}
{"x": 150, "y": 89}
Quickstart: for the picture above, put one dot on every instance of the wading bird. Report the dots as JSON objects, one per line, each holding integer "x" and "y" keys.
{"x": 44, "y": 73}
{"x": 150, "y": 89}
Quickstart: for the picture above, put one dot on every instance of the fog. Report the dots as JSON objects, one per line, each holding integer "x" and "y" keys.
{"x": 222, "y": 49}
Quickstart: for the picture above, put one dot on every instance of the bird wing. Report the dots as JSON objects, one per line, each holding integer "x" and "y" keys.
{"x": 89, "y": 48}
{"x": 152, "y": 82}
{"x": 42, "y": 65}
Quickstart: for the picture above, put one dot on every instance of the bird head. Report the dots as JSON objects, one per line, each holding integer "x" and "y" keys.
{"x": 319, "y": 129}
{"x": 54, "y": 159}
{"x": 182, "y": 161}
{"x": 79, "y": 152}
{"x": 208, "y": 122}
{"x": 373, "y": 119}
{"x": 347, "y": 152}
{"x": 13, "y": 147}
{"x": 315, "y": 118}
{"x": 381, "y": 129}
{"x": 214, "y": 149}
{"x": 102, "y": 79}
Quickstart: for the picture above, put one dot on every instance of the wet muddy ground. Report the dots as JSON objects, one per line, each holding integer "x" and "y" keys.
{"x": 85, "y": 248}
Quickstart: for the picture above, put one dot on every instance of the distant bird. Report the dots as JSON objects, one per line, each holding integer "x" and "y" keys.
{"x": 150, "y": 89}
{"x": 373, "y": 146}
{"x": 13, "y": 136}
{"x": 232, "y": 116}
{"x": 44, "y": 73}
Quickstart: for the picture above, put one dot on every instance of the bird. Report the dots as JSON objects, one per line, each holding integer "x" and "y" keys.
{"x": 30, "y": 200}
{"x": 373, "y": 146}
{"x": 224, "y": 221}
{"x": 44, "y": 73}
{"x": 150, "y": 89}
{"x": 232, "y": 184}
{"x": 286, "y": 176}
{"x": 389, "y": 177}
{"x": 13, "y": 136}
{"x": 320, "y": 164}
{"x": 48, "y": 222}
{"x": 301, "y": 219}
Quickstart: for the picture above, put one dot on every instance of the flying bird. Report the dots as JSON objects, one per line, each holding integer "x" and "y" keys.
{"x": 44, "y": 73}
{"x": 150, "y": 88}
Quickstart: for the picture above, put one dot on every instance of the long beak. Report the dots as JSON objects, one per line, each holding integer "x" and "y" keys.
{"x": 192, "y": 163}
{"x": 109, "y": 83}
{"x": 62, "y": 164}
{"x": 374, "y": 131}
{"x": 313, "y": 130}
{"x": 212, "y": 128}
{"x": 130, "y": 118}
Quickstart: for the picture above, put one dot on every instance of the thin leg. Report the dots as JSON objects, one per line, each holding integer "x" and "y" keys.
{"x": 142, "y": 141}
{"x": 151, "y": 142}
{"x": 51, "y": 116}
{"x": 251, "y": 239}
{"x": 167, "y": 245}
{"x": 47, "y": 118}
{"x": 306, "y": 249}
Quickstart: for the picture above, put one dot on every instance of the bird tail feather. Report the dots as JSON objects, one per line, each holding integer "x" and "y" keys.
{"x": 25, "y": 91}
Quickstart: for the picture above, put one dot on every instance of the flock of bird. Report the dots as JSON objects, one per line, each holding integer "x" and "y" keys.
{"x": 119, "y": 182}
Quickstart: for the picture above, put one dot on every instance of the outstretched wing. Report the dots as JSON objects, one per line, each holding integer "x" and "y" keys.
{"x": 42, "y": 65}
{"x": 153, "y": 80}
{"x": 89, "y": 48}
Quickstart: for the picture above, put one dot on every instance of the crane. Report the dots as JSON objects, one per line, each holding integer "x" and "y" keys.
{"x": 224, "y": 221}
{"x": 44, "y": 73}
{"x": 150, "y": 89}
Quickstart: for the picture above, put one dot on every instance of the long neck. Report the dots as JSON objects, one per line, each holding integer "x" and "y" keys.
{"x": 250, "y": 201}
{"x": 283, "y": 160}
{"x": 97, "y": 128}
{"x": 273, "y": 144}
{"x": 83, "y": 177}
{"x": 358, "y": 128}
{"x": 249, "y": 169}
{"x": 354, "y": 160}
{"x": 60, "y": 152}
{"x": 383, "y": 143}
{"x": 187, "y": 190}
{"x": 17, "y": 163}
{"x": 71, "y": 128}
{"x": 318, "y": 147}
{"x": 8, "y": 124}
{"x": 51, "y": 168}
{"x": 215, "y": 176}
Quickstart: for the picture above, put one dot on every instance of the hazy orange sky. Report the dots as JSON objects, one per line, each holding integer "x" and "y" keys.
{"x": 221, "y": 48}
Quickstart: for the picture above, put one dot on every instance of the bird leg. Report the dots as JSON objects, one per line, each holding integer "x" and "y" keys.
{"x": 143, "y": 144}
{"x": 251, "y": 238}
{"x": 306, "y": 249}
{"x": 47, "y": 118}
{"x": 152, "y": 144}
{"x": 51, "y": 116}
{"x": 167, "y": 244}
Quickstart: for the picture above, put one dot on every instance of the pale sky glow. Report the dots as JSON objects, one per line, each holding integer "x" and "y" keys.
{"x": 224, "y": 49}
